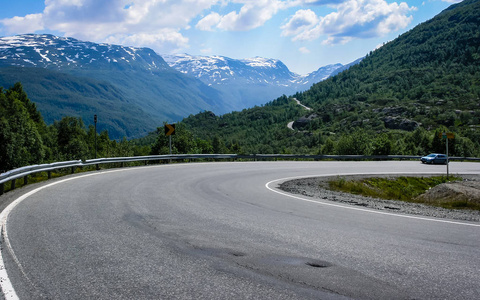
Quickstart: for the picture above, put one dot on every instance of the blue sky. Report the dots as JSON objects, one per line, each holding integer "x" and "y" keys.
{"x": 304, "y": 34}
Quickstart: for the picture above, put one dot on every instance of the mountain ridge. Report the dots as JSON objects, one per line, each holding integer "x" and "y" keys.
{"x": 128, "y": 82}
{"x": 143, "y": 91}
{"x": 256, "y": 79}
{"x": 211, "y": 68}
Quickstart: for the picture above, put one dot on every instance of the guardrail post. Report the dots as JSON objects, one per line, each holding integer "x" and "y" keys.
{"x": 2, "y": 188}
{"x": 25, "y": 180}
{"x": 73, "y": 170}
{"x": 12, "y": 186}
{"x": 49, "y": 174}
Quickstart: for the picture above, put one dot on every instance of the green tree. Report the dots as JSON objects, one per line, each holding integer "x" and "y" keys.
{"x": 72, "y": 138}
{"x": 161, "y": 145}
{"x": 218, "y": 145}
{"x": 328, "y": 147}
{"x": 382, "y": 145}
{"x": 20, "y": 141}
{"x": 357, "y": 143}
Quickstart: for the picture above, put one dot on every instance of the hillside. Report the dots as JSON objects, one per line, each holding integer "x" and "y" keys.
{"x": 245, "y": 83}
{"x": 395, "y": 101}
{"x": 132, "y": 90}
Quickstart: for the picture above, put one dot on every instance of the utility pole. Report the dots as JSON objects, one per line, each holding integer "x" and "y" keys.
{"x": 447, "y": 155}
{"x": 447, "y": 136}
{"x": 95, "y": 122}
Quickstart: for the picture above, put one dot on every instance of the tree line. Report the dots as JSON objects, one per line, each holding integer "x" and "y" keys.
{"x": 25, "y": 139}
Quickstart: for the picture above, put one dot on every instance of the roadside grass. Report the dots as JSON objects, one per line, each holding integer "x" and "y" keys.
{"x": 403, "y": 188}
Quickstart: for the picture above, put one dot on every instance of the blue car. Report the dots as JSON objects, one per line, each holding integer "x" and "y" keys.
{"x": 434, "y": 158}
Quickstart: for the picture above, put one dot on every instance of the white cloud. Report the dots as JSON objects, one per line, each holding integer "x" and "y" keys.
{"x": 209, "y": 21}
{"x": 303, "y": 20}
{"x": 27, "y": 24}
{"x": 163, "y": 41}
{"x": 252, "y": 14}
{"x": 355, "y": 19}
{"x": 138, "y": 22}
{"x": 163, "y": 24}
{"x": 304, "y": 50}
{"x": 206, "y": 51}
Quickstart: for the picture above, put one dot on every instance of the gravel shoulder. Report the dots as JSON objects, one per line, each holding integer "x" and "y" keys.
{"x": 469, "y": 188}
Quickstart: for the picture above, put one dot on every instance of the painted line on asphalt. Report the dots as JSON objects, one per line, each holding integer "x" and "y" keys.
{"x": 267, "y": 185}
{"x": 5, "y": 282}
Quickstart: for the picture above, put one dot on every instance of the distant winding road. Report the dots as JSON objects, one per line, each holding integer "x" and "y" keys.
{"x": 290, "y": 124}
{"x": 223, "y": 231}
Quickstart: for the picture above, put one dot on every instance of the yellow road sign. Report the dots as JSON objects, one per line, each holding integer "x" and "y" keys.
{"x": 169, "y": 129}
{"x": 447, "y": 135}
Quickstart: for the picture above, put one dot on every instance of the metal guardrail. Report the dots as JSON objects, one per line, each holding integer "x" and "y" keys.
{"x": 23, "y": 172}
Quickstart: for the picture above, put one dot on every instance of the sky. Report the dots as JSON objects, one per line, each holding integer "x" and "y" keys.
{"x": 304, "y": 34}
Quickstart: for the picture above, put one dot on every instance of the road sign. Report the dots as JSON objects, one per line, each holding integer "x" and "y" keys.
{"x": 447, "y": 135}
{"x": 169, "y": 129}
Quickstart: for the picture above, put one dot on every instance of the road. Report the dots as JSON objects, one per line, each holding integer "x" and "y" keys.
{"x": 290, "y": 124}
{"x": 215, "y": 231}
{"x": 299, "y": 103}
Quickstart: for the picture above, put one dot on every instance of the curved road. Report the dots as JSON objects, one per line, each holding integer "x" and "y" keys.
{"x": 290, "y": 124}
{"x": 215, "y": 231}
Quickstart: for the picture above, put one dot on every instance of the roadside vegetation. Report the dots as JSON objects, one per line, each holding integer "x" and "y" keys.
{"x": 397, "y": 101}
{"x": 408, "y": 189}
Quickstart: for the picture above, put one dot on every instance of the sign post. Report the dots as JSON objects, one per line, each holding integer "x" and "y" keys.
{"x": 95, "y": 122}
{"x": 447, "y": 136}
{"x": 169, "y": 131}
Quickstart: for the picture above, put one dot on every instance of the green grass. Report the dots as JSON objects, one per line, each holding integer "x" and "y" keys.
{"x": 401, "y": 188}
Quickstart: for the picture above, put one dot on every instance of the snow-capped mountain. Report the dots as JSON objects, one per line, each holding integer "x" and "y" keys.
{"x": 135, "y": 89}
{"x": 132, "y": 90}
{"x": 321, "y": 74}
{"x": 223, "y": 70}
{"x": 220, "y": 70}
{"x": 49, "y": 51}
{"x": 248, "y": 82}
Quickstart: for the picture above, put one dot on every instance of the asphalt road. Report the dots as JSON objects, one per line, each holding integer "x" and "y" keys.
{"x": 215, "y": 231}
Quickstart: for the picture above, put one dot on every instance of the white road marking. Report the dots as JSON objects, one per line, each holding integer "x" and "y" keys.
{"x": 6, "y": 284}
{"x": 267, "y": 185}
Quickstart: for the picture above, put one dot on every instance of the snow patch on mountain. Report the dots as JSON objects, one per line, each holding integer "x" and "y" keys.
{"x": 49, "y": 51}
{"x": 220, "y": 70}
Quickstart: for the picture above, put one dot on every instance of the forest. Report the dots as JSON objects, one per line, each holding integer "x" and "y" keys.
{"x": 25, "y": 138}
